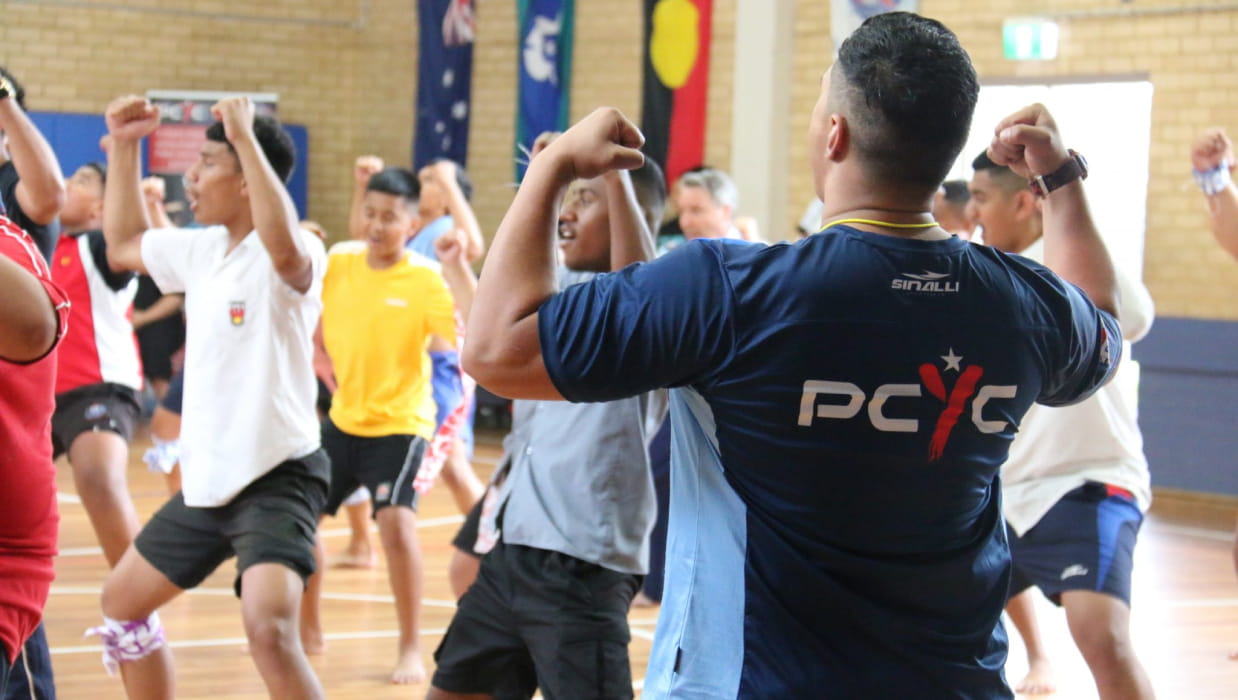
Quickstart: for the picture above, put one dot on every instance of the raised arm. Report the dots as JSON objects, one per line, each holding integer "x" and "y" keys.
{"x": 1029, "y": 143}
{"x": 40, "y": 191}
{"x": 503, "y": 351}
{"x": 275, "y": 217}
{"x": 129, "y": 119}
{"x": 630, "y": 239}
{"x": 444, "y": 172}
{"x": 154, "y": 192}
{"x": 459, "y": 276}
{"x": 365, "y": 168}
{"x": 1212, "y": 158}
{"x": 28, "y": 319}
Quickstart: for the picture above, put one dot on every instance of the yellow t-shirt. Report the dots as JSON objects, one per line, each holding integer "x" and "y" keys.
{"x": 376, "y": 325}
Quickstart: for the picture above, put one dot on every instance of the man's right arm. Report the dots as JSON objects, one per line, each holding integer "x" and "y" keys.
{"x": 40, "y": 191}
{"x": 365, "y": 168}
{"x": 1028, "y": 143}
{"x": 129, "y": 119}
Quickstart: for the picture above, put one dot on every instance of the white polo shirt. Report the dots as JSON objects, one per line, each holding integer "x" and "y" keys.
{"x": 249, "y": 377}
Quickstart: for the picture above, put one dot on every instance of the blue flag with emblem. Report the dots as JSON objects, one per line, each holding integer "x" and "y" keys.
{"x": 545, "y": 72}
{"x": 444, "y": 80}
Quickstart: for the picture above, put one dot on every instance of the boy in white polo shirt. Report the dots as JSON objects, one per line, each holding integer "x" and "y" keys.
{"x": 254, "y": 476}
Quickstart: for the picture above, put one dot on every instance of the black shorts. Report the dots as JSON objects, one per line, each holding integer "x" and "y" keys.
{"x": 1086, "y": 542}
{"x": 94, "y": 408}
{"x": 273, "y": 520}
{"x": 385, "y": 465}
{"x": 536, "y": 618}
{"x": 157, "y": 343}
{"x": 466, "y": 537}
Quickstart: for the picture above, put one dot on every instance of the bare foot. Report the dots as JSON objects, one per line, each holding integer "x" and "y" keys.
{"x": 364, "y": 559}
{"x": 1039, "y": 679}
{"x": 409, "y": 670}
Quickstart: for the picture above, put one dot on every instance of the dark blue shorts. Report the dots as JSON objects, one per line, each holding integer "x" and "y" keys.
{"x": 176, "y": 393}
{"x": 1086, "y": 542}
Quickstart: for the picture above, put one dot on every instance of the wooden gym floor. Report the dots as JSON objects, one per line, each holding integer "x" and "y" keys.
{"x": 1185, "y": 617}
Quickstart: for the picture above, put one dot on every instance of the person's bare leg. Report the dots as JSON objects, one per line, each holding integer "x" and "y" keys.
{"x": 466, "y": 488}
{"x": 270, "y": 603}
{"x": 462, "y": 572}
{"x": 1039, "y": 679}
{"x": 360, "y": 553}
{"x": 99, "y": 460}
{"x": 397, "y": 528}
{"x": 132, "y": 591}
{"x": 311, "y": 621}
{"x": 1100, "y": 625}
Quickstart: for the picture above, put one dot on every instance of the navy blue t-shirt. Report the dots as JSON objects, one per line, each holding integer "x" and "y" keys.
{"x": 843, "y": 406}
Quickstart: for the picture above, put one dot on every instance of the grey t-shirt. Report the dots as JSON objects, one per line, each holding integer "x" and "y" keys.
{"x": 579, "y": 480}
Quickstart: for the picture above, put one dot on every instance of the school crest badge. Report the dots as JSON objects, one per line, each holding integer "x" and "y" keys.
{"x": 236, "y": 312}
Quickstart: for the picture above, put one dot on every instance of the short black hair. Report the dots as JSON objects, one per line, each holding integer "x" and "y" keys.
{"x": 19, "y": 92}
{"x": 956, "y": 192}
{"x": 400, "y": 182}
{"x": 649, "y": 183}
{"x": 1005, "y": 178}
{"x": 99, "y": 167}
{"x": 275, "y": 143}
{"x": 909, "y": 91}
{"x": 462, "y": 178}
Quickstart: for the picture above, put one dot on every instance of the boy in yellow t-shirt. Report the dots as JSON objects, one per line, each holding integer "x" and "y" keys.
{"x": 381, "y": 307}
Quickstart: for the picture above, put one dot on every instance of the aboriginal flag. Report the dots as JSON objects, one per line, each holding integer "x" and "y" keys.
{"x": 675, "y": 82}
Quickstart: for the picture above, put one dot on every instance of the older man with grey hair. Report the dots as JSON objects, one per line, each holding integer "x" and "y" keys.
{"x": 707, "y": 200}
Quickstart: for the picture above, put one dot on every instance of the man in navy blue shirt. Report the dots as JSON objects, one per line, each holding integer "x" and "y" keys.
{"x": 841, "y": 406}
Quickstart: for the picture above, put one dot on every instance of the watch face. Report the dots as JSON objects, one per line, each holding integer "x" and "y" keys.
{"x": 1083, "y": 164}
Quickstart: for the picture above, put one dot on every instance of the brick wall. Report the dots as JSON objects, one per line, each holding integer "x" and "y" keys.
{"x": 349, "y": 75}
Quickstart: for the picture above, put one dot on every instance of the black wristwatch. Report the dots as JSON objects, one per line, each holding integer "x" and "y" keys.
{"x": 1075, "y": 168}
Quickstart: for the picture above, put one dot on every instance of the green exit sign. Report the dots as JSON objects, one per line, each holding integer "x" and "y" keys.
{"x": 1029, "y": 39}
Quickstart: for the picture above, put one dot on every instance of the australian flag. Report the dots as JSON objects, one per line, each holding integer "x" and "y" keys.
{"x": 545, "y": 60}
{"x": 444, "y": 80}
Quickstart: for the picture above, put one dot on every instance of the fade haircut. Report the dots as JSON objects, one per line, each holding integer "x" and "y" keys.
{"x": 719, "y": 185}
{"x": 1007, "y": 180}
{"x": 908, "y": 90}
{"x": 275, "y": 143}
{"x": 649, "y": 183}
{"x": 462, "y": 178}
{"x": 400, "y": 182}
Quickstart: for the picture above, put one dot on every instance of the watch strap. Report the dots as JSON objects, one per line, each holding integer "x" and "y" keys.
{"x": 1075, "y": 168}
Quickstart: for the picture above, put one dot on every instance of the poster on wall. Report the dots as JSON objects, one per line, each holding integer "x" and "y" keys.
{"x": 847, "y": 15}
{"x": 676, "y": 82}
{"x": 544, "y": 58}
{"x": 184, "y": 116}
{"x": 444, "y": 80}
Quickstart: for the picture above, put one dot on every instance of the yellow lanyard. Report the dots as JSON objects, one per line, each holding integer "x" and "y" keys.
{"x": 874, "y": 222}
